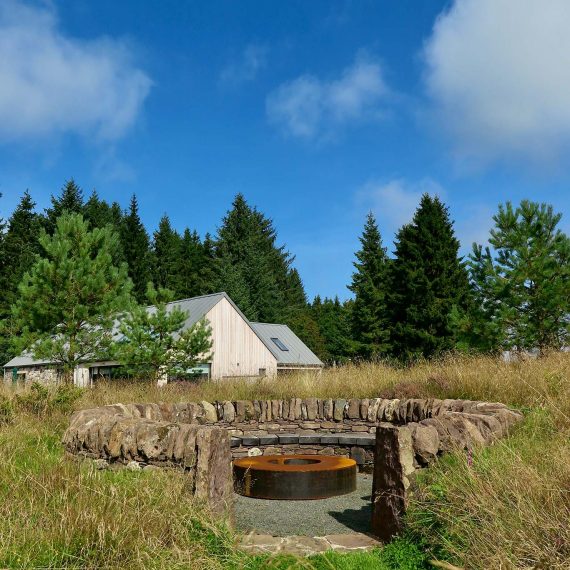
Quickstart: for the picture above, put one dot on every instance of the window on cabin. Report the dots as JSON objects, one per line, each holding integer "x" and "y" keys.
{"x": 279, "y": 344}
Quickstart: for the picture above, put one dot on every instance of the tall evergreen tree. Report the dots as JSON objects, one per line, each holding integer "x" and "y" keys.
{"x": 20, "y": 245}
{"x": 191, "y": 263}
{"x": 99, "y": 213}
{"x": 166, "y": 254}
{"x": 248, "y": 259}
{"x": 333, "y": 319}
{"x": 69, "y": 201}
{"x": 522, "y": 293}
{"x": 209, "y": 274}
{"x": 71, "y": 296}
{"x": 370, "y": 322}
{"x": 427, "y": 280}
{"x": 136, "y": 250}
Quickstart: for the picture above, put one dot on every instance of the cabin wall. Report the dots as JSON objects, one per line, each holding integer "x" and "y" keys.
{"x": 237, "y": 349}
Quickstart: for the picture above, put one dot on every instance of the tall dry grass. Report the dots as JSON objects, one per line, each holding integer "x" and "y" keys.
{"x": 507, "y": 507}
{"x": 530, "y": 383}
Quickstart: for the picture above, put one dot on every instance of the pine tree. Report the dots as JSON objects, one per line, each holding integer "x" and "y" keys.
{"x": 69, "y": 299}
{"x": 166, "y": 254}
{"x": 427, "y": 280}
{"x": 370, "y": 322}
{"x": 136, "y": 250}
{"x": 70, "y": 201}
{"x": 154, "y": 344}
{"x": 523, "y": 293}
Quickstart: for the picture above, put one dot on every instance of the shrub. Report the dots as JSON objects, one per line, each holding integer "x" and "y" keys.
{"x": 41, "y": 400}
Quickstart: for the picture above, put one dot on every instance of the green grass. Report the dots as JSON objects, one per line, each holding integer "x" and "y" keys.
{"x": 507, "y": 508}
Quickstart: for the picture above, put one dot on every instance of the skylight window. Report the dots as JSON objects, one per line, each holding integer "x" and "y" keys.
{"x": 279, "y": 344}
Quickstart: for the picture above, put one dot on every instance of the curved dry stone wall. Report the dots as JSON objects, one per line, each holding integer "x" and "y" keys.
{"x": 392, "y": 437}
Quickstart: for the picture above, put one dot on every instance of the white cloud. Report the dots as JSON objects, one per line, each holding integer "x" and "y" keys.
{"x": 312, "y": 108}
{"x": 395, "y": 202}
{"x": 252, "y": 61}
{"x": 498, "y": 73}
{"x": 51, "y": 83}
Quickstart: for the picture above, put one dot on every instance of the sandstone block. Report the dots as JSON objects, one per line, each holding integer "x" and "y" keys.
{"x": 364, "y": 403}
{"x": 425, "y": 440}
{"x": 373, "y": 406}
{"x": 312, "y": 408}
{"x": 210, "y": 412}
{"x": 353, "y": 411}
{"x": 392, "y": 467}
{"x": 214, "y": 479}
{"x": 339, "y": 406}
{"x": 228, "y": 412}
{"x": 276, "y": 409}
{"x": 328, "y": 409}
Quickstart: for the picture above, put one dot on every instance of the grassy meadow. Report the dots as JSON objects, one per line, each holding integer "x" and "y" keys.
{"x": 506, "y": 507}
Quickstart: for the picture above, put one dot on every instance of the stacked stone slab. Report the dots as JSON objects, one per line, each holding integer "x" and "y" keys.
{"x": 203, "y": 437}
{"x": 114, "y": 434}
{"x": 400, "y": 450}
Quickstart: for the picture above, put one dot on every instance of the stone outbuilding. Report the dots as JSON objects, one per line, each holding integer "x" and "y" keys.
{"x": 240, "y": 348}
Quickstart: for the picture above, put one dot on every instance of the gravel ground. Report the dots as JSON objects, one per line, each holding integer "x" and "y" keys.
{"x": 338, "y": 515}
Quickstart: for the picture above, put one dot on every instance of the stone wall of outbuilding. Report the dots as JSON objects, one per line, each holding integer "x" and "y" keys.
{"x": 29, "y": 374}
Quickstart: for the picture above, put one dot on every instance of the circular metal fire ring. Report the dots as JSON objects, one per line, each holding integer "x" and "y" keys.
{"x": 294, "y": 477}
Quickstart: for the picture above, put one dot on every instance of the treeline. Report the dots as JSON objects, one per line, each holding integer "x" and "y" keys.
{"x": 424, "y": 301}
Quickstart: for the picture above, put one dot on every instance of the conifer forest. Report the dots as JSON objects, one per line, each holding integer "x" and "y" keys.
{"x": 421, "y": 301}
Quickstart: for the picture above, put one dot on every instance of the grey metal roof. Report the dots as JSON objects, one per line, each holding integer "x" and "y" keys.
{"x": 298, "y": 354}
{"x": 198, "y": 307}
{"x": 24, "y": 360}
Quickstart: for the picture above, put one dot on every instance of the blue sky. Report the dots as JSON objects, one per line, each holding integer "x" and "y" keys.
{"x": 316, "y": 111}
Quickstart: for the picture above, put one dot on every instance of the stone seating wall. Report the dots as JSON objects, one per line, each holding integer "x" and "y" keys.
{"x": 391, "y": 437}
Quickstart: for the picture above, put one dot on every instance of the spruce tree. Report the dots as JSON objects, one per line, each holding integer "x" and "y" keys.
{"x": 20, "y": 245}
{"x": 70, "y": 298}
{"x": 522, "y": 293}
{"x": 70, "y": 201}
{"x": 190, "y": 266}
{"x": 166, "y": 255}
{"x": 209, "y": 275}
{"x": 333, "y": 319}
{"x": 370, "y": 323}
{"x": 98, "y": 213}
{"x": 136, "y": 250}
{"x": 427, "y": 280}
{"x": 250, "y": 265}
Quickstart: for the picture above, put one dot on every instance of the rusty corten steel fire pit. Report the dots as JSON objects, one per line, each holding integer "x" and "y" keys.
{"x": 294, "y": 477}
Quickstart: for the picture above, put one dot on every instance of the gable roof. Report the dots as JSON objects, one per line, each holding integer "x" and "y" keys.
{"x": 198, "y": 307}
{"x": 297, "y": 353}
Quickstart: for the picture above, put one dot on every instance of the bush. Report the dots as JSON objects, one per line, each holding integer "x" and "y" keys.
{"x": 42, "y": 401}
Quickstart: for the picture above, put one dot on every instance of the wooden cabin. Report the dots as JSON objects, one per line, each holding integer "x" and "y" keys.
{"x": 240, "y": 348}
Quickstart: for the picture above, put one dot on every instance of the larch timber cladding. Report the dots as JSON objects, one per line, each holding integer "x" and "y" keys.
{"x": 237, "y": 350}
